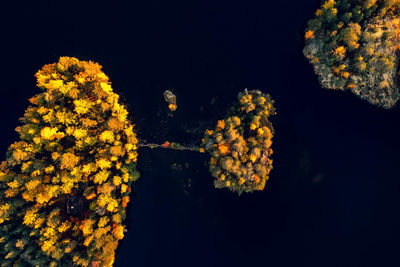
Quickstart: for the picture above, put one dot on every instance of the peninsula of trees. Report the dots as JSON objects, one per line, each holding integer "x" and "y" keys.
{"x": 354, "y": 44}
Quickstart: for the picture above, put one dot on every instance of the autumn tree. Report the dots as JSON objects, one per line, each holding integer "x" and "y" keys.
{"x": 240, "y": 144}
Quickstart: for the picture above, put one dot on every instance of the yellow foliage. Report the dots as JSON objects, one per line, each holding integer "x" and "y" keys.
{"x": 115, "y": 125}
{"x": 117, "y": 218}
{"x": 49, "y": 232}
{"x": 55, "y": 156}
{"x": 384, "y": 84}
{"x": 32, "y": 184}
{"x": 112, "y": 204}
{"x": 209, "y": 132}
{"x": 236, "y": 120}
{"x": 36, "y": 173}
{"x": 117, "y": 180}
{"x": 339, "y": 51}
{"x": 42, "y": 198}
{"x": 11, "y": 192}
{"x": 20, "y": 155}
{"x": 106, "y": 87}
{"x": 87, "y": 227}
{"x": 47, "y": 245}
{"x": 103, "y": 164}
{"x": 42, "y": 110}
{"x": 19, "y": 244}
{"x": 88, "y": 123}
{"x": 329, "y": 4}
{"x": 103, "y": 221}
{"x": 119, "y": 232}
{"x": 101, "y": 177}
{"x": 4, "y": 208}
{"x": 101, "y": 231}
{"x": 213, "y": 161}
{"x": 64, "y": 226}
{"x": 13, "y": 184}
{"x": 89, "y": 168}
{"x": 49, "y": 169}
{"x": 9, "y": 255}
{"x": 80, "y": 133}
{"x": 82, "y": 106}
{"x": 48, "y": 133}
{"x": 69, "y": 161}
{"x": 129, "y": 147}
{"x": 103, "y": 200}
{"x": 37, "y": 140}
{"x": 124, "y": 187}
{"x": 125, "y": 177}
{"x": 117, "y": 151}
{"x": 106, "y": 188}
{"x": 30, "y": 216}
{"x": 39, "y": 222}
{"x": 220, "y": 124}
{"x": 107, "y": 136}
{"x": 88, "y": 240}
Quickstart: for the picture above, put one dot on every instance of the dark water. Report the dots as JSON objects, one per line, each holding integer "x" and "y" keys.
{"x": 332, "y": 198}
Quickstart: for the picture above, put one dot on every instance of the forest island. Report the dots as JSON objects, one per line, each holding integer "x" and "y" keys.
{"x": 65, "y": 185}
{"x": 354, "y": 45}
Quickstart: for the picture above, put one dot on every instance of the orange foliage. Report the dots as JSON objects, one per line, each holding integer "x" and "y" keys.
{"x": 223, "y": 148}
{"x": 172, "y": 107}
{"x": 309, "y": 34}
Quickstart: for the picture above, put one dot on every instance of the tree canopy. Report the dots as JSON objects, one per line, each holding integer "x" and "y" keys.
{"x": 240, "y": 144}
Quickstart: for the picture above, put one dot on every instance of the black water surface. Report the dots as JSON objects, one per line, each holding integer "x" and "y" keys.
{"x": 332, "y": 198}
